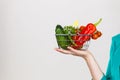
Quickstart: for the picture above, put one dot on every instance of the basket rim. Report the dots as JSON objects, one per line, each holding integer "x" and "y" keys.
{"x": 73, "y": 34}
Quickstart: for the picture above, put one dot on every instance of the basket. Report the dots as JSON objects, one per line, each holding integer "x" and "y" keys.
{"x": 85, "y": 45}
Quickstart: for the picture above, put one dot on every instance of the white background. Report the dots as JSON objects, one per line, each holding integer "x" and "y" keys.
{"x": 27, "y": 38}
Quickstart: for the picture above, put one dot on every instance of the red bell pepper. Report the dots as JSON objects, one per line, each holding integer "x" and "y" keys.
{"x": 84, "y": 35}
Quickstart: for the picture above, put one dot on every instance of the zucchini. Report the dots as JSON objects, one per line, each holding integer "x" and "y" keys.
{"x": 62, "y": 38}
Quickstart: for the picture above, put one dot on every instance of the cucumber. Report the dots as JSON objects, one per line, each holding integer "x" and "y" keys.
{"x": 62, "y": 38}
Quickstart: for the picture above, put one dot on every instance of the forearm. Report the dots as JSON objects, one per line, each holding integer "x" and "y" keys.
{"x": 91, "y": 62}
{"x": 94, "y": 68}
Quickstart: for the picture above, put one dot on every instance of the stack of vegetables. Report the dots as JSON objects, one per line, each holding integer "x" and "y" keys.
{"x": 76, "y": 37}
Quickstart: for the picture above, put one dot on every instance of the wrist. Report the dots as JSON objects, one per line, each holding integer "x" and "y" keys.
{"x": 88, "y": 57}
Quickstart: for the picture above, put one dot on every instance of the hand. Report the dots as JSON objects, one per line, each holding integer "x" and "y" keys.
{"x": 94, "y": 68}
{"x": 74, "y": 52}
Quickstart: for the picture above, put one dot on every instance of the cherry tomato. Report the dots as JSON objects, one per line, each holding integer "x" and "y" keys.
{"x": 99, "y": 33}
{"x": 82, "y": 27}
{"x": 95, "y": 36}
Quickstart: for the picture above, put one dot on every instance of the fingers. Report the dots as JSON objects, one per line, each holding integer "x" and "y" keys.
{"x": 63, "y": 51}
{"x": 72, "y": 50}
{"x": 76, "y": 52}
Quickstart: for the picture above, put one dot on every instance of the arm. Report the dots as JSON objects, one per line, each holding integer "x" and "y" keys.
{"x": 94, "y": 68}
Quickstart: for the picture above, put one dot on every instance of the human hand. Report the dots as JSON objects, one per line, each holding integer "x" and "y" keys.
{"x": 72, "y": 51}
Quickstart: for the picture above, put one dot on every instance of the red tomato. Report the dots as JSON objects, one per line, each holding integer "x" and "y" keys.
{"x": 95, "y": 36}
{"x": 82, "y": 27}
{"x": 99, "y": 33}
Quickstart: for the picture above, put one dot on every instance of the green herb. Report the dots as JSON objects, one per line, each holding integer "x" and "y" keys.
{"x": 70, "y": 31}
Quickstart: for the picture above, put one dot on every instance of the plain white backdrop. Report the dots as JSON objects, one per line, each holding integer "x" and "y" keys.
{"x": 27, "y": 37}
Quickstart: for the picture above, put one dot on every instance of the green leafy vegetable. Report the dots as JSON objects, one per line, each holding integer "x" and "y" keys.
{"x": 62, "y": 39}
{"x": 70, "y": 30}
